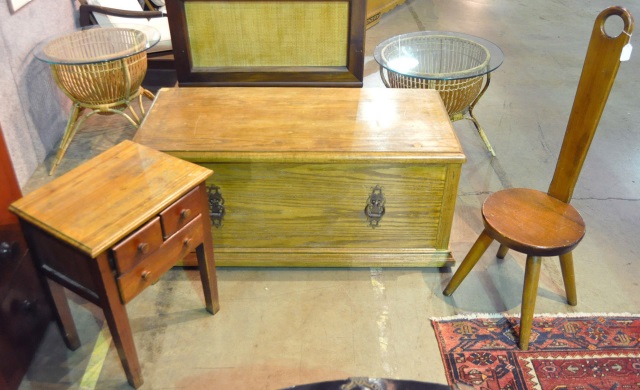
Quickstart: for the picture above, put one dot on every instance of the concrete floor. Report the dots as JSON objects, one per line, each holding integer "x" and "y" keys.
{"x": 280, "y": 327}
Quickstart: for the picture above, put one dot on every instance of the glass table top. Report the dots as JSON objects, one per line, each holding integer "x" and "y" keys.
{"x": 438, "y": 55}
{"x": 95, "y": 44}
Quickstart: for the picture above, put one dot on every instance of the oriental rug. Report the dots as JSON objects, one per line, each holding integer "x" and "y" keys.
{"x": 574, "y": 351}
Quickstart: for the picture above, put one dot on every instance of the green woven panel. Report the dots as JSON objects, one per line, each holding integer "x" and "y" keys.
{"x": 261, "y": 33}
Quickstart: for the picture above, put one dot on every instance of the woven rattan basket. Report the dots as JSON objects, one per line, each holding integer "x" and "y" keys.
{"x": 441, "y": 63}
{"x": 100, "y": 81}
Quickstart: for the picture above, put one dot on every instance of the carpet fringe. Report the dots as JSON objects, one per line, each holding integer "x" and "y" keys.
{"x": 467, "y": 316}
{"x": 579, "y": 355}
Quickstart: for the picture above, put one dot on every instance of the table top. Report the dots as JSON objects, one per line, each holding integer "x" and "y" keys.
{"x": 263, "y": 124}
{"x": 438, "y": 55}
{"x": 103, "y": 200}
{"x": 95, "y": 44}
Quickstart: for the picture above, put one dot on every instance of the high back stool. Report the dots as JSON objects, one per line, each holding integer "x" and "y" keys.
{"x": 113, "y": 226}
{"x": 545, "y": 224}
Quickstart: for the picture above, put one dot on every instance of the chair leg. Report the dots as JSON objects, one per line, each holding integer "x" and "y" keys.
{"x": 529, "y": 294}
{"x": 569, "y": 278}
{"x": 476, "y": 251}
{"x": 502, "y": 251}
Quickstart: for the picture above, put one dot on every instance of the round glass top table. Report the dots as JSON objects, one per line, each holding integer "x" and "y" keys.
{"x": 101, "y": 70}
{"x": 457, "y": 65}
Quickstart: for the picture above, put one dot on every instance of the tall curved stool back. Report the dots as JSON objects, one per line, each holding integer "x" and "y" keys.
{"x": 542, "y": 224}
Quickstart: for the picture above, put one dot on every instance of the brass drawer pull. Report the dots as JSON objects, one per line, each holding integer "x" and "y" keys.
{"x": 216, "y": 205}
{"x": 146, "y": 275}
{"x": 374, "y": 210}
{"x": 187, "y": 242}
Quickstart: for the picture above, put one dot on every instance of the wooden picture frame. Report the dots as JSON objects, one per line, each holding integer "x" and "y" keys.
{"x": 268, "y": 43}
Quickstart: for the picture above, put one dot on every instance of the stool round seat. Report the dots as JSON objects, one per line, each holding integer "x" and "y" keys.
{"x": 532, "y": 222}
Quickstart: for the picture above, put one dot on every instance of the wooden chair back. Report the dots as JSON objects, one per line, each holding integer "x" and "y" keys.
{"x": 598, "y": 73}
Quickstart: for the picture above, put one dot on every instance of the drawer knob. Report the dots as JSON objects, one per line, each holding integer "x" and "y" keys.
{"x": 185, "y": 214}
{"x": 187, "y": 241}
{"x": 145, "y": 274}
{"x": 143, "y": 248}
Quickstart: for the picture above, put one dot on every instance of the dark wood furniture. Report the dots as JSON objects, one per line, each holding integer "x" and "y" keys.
{"x": 268, "y": 43}
{"x": 24, "y": 309}
{"x": 545, "y": 224}
{"x": 163, "y": 60}
{"x": 113, "y": 226}
{"x": 318, "y": 177}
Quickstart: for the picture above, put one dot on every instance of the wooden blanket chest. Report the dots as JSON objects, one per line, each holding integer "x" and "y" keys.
{"x": 317, "y": 177}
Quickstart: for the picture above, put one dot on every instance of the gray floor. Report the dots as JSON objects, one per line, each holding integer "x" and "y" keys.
{"x": 280, "y": 327}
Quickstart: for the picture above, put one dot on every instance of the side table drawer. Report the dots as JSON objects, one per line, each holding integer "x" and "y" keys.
{"x": 180, "y": 213}
{"x": 149, "y": 270}
{"x": 138, "y": 246}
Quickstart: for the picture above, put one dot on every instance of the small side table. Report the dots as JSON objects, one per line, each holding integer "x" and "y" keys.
{"x": 452, "y": 63}
{"x": 113, "y": 226}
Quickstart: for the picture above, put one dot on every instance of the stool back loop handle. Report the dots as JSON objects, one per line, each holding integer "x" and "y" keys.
{"x": 598, "y": 73}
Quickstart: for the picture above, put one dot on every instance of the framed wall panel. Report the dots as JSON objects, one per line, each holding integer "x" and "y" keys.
{"x": 268, "y": 42}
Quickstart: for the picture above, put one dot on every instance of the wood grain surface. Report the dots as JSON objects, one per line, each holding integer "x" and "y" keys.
{"x": 300, "y": 124}
{"x": 533, "y": 222}
{"x": 109, "y": 196}
{"x": 296, "y": 167}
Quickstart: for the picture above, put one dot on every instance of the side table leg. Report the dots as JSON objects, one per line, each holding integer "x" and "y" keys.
{"x": 384, "y": 79}
{"x": 117, "y": 320}
{"x": 206, "y": 261}
{"x": 69, "y": 132}
{"x": 475, "y": 121}
{"x": 148, "y": 94}
{"x": 481, "y": 133}
{"x": 54, "y": 292}
{"x": 63, "y": 315}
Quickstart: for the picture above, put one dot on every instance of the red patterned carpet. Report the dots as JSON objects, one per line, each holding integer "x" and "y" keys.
{"x": 577, "y": 351}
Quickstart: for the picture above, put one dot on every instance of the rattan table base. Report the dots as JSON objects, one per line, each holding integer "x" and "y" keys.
{"x": 101, "y": 88}
{"x": 101, "y": 71}
{"x": 459, "y": 96}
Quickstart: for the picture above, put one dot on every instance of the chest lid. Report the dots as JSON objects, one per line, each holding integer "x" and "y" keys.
{"x": 251, "y": 124}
